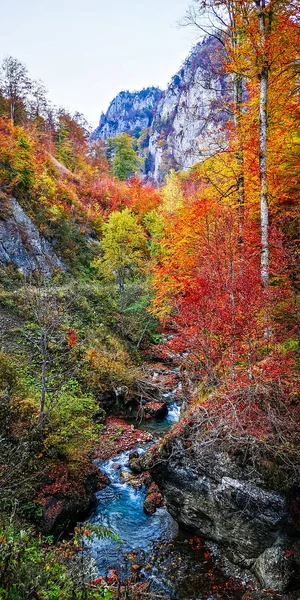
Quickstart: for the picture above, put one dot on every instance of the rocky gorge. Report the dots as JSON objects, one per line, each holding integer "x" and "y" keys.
{"x": 182, "y": 125}
{"x": 255, "y": 528}
{"x": 247, "y": 530}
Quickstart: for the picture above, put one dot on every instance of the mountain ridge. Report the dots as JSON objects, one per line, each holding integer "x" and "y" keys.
{"x": 180, "y": 126}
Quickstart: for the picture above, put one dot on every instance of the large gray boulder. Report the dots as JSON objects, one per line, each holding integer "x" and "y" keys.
{"x": 21, "y": 244}
{"x": 253, "y": 525}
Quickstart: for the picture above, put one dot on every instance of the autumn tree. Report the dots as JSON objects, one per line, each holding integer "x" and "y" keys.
{"x": 15, "y": 83}
{"x": 261, "y": 43}
{"x": 172, "y": 197}
{"x": 71, "y": 140}
{"x": 98, "y": 156}
{"x": 142, "y": 197}
{"x": 123, "y": 249}
{"x": 124, "y": 160}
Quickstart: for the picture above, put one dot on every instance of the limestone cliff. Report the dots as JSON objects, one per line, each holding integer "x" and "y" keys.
{"x": 189, "y": 119}
{"x": 129, "y": 112}
{"x": 181, "y": 126}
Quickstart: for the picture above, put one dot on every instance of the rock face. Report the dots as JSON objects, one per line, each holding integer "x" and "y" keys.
{"x": 181, "y": 126}
{"x": 129, "y": 112}
{"x": 187, "y": 127}
{"x": 252, "y": 525}
{"x": 22, "y": 245}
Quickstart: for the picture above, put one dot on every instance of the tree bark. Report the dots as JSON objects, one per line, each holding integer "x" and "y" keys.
{"x": 121, "y": 292}
{"x": 238, "y": 99}
{"x": 263, "y": 131}
{"x": 43, "y": 350}
{"x": 264, "y": 209}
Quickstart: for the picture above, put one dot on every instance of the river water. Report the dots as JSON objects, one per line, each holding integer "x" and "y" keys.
{"x": 168, "y": 558}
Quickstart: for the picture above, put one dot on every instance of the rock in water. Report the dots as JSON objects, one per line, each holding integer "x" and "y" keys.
{"x": 158, "y": 410}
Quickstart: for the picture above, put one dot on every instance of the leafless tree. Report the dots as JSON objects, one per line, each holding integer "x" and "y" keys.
{"x": 219, "y": 20}
{"x": 15, "y": 83}
{"x": 37, "y": 102}
{"x": 47, "y": 336}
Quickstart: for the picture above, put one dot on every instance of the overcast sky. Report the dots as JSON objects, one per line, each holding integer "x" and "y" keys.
{"x": 86, "y": 51}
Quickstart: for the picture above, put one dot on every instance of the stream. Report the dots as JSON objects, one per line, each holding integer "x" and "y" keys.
{"x": 165, "y": 555}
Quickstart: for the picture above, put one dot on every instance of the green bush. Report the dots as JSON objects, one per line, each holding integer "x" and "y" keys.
{"x": 31, "y": 567}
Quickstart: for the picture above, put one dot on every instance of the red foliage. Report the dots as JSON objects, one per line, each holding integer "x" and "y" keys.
{"x": 71, "y": 337}
{"x": 109, "y": 579}
{"x": 118, "y": 437}
{"x": 196, "y": 543}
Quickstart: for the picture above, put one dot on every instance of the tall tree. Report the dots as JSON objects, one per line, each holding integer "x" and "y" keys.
{"x": 221, "y": 19}
{"x": 124, "y": 247}
{"x": 268, "y": 22}
{"x": 15, "y": 83}
{"x": 265, "y": 24}
{"x": 124, "y": 160}
{"x": 38, "y": 102}
{"x": 254, "y": 33}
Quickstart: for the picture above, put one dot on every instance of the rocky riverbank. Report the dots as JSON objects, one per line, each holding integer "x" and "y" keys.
{"x": 255, "y": 527}
{"x": 152, "y": 554}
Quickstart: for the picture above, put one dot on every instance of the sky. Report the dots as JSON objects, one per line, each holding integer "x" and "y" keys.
{"x": 87, "y": 51}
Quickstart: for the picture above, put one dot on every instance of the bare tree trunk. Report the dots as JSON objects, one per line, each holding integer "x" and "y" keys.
{"x": 43, "y": 350}
{"x": 12, "y": 110}
{"x": 264, "y": 209}
{"x": 263, "y": 130}
{"x": 238, "y": 99}
{"x": 122, "y": 293}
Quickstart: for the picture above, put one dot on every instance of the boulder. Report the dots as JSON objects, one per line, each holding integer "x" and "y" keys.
{"x": 274, "y": 567}
{"x": 134, "y": 462}
{"x": 152, "y": 502}
{"x": 22, "y": 244}
{"x": 253, "y": 525}
{"x": 136, "y": 482}
{"x": 157, "y": 410}
{"x": 126, "y": 476}
{"x": 132, "y": 455}
{"x": 62, "y": 510}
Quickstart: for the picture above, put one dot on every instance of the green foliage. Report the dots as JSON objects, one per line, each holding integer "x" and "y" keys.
{"x": 8, "y": 373}
{"x": 172, "y": 193}
{"x": 290, "y": 345}
{"x": 108, "y": 365}
{"x": 123, "y": 249}
{"x": 123, "y": 242}
{"x": 71, "y": 426}
{"x": 154, "y": 224}
{"x": 140, "y": 326}
{"x": 17, "y": 163}
{"x": 125, "y": 162}
{"x": 30, "y": 567}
